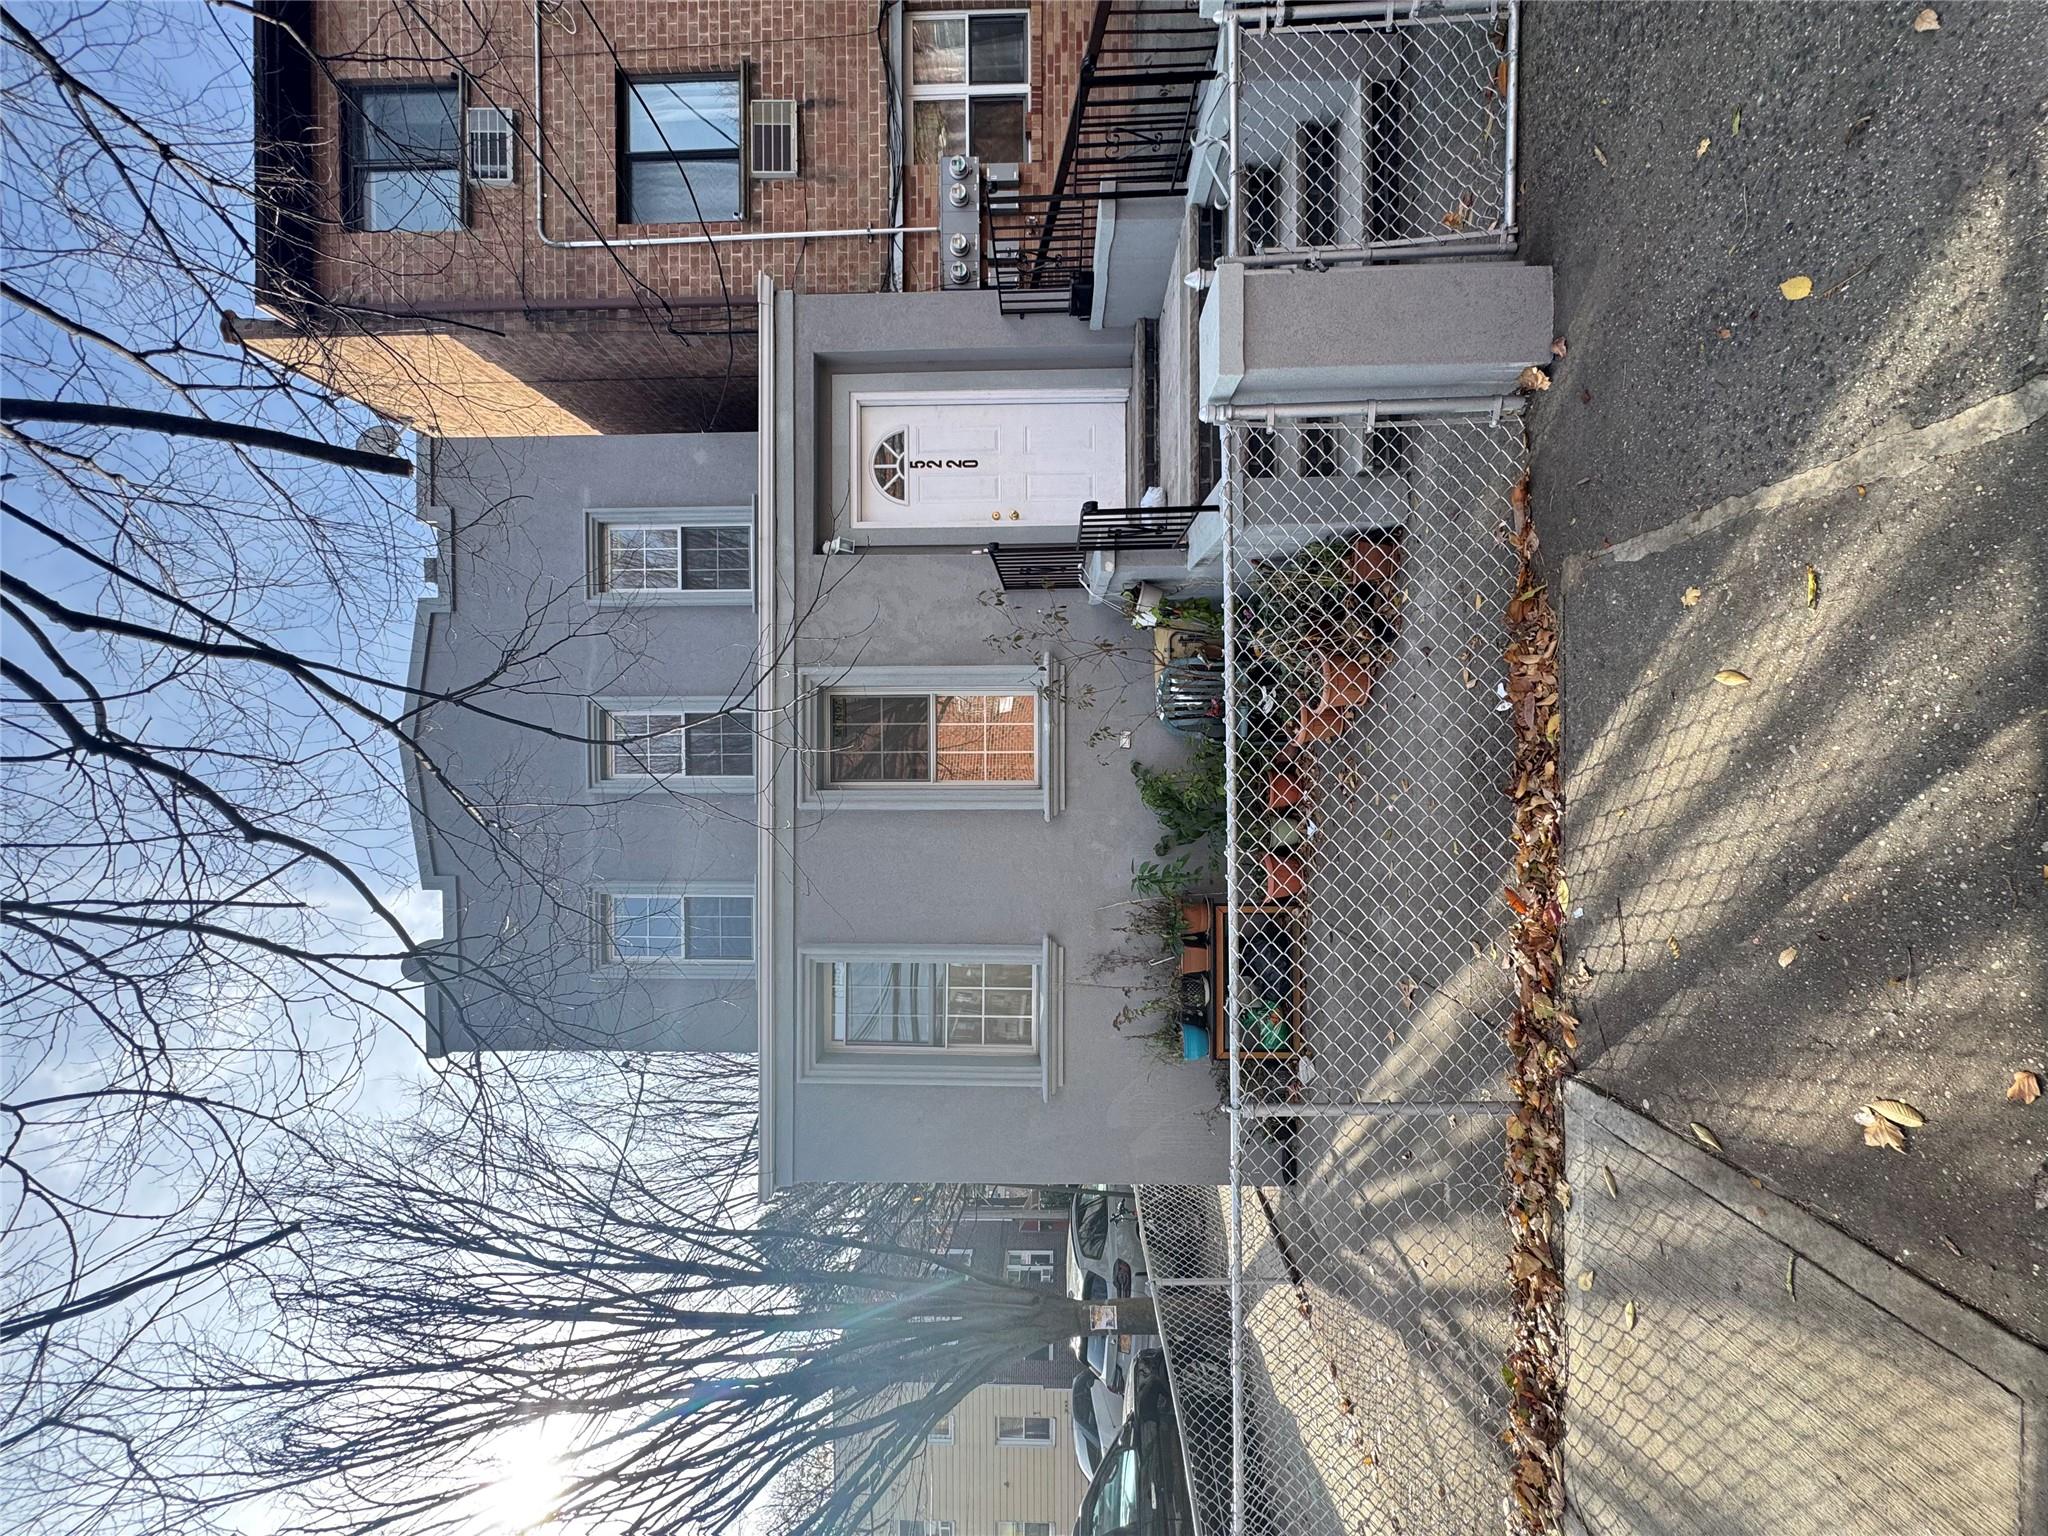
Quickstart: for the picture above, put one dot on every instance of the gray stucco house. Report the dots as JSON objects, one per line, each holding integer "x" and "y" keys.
{"x": 780, "y": 769}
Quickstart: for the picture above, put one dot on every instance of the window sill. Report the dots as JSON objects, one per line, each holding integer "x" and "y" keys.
{"x": 676, "y": 970}
{"x": 733, "y": 223}
{"x": 673, "y": 784}
{"x": 711, "y": 597}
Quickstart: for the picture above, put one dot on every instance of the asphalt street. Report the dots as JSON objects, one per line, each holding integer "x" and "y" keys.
{"x": 1826, "y": 880}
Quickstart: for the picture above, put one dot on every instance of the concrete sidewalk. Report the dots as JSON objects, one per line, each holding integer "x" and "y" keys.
{"x": 1739, "y": 1366}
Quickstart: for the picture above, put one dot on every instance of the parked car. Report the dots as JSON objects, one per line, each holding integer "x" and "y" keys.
{"x": 1141, "y": 1486}
{"x": 1106, "y": 1260}
{"x": 1097, "y": 1414}
{"x": 1103, "y": 1236}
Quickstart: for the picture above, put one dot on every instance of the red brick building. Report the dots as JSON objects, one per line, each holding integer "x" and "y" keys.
{"x": 492, "y": 217}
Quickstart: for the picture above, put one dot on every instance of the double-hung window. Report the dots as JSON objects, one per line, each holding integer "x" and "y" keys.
{"x": 880, "y": 739}
{"x": 1028, "y": 1266}
{"x": 924, "y": 1528}
{"x": 953, "y": 1015}
{"x": 402, "y": 157}
{"x": 933, "y": 738}
{"x": 970, "y": 85}
{"x": 675, "y": 928}
{"x": 693, "y": 556}
{"x": 1023, "y": 1528}
{"x": 680, "y": 142}
{"x": 932, "y": 1005}
{"x": 1023, "y": 1429}
{"x": 705, "y": 742}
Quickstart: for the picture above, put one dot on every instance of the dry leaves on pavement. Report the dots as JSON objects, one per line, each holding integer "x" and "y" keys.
{"x": 1541, "y": 1034}
{"x": 1728, "y": 677}
{"x": 1796, "y": 288}
{"x": 1690, "y": 597}
{"x": 1928, "y": 20}
{"x": 2025, "y": 1088}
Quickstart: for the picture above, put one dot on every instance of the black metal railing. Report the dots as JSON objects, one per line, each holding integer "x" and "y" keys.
{"x": 1131, "y": 134}
{"x": 1049, "y": 567}
{"x": 1135, "y": 527}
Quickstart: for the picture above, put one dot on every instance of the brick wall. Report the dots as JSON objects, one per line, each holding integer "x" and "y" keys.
{"x": 826, "y": 54}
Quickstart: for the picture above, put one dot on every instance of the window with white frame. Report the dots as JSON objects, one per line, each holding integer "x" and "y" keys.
{"x": 1023, "y": 1429}
{"x": 1023, "y": 1528}
{"x": 970, "y": 85}
{"x": 713, "y": 742}
{"x": 690, "y": 558}
{"x": 924, "y": 1528}
{"x": 880, "y": 739}
{"x": 964, "y": 1257}
{"x": 946, "y": 1015}
{"x": 675, "y": 927}
{"x": 1028, "y": 1266}
{"x": 921, "y": 1005}
{"x": 941, "y": 1433}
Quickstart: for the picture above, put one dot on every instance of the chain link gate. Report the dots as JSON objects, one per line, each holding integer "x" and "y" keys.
{"x": 1372, "y": 130}
{"x": 1336, "y": 1320}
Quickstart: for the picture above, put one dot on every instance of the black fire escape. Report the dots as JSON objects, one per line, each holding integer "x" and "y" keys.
{"x": 1131, "y": 135}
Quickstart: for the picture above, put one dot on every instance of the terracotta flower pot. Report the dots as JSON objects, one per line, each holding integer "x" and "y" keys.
{"x": 1347, "y": 683}
{"x": 1319, "y": 725}
{"x": 1377, "y": 557}
{"x": 1286, "y": 876}
{"x": 1283, "y": 790}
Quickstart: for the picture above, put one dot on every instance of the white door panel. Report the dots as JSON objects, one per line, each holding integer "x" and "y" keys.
{"x": 986, "y": 460}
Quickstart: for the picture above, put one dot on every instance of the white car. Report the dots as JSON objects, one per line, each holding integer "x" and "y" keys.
{"x": 1105, "y": 1260}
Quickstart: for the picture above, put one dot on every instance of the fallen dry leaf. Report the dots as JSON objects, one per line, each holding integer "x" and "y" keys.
{"x": 1736, "y": 126}
{"x": 1728, "y": 677}
{"x": 1607, "y": 1178}
{"x": 2026, "y": 1087}
{"x": 1882, "y": 1133}
{"x": 1408, "y": 991}
{"x": 1533, "y": 379}
{"x": 1628, "y": 1317}
{"x": 1700, "y": 153}
{"x": 1599, "y": 154}
{"x": 1703, "y": 1136}
{"x": 1927, "y": 21}
{"x": 1564, "y": 1194}
{"x": 1558, "y": 348}
{"x": 1787, "y": 955}
{"x": 1586, "y": 1280}
{"x": 1899, "y": 1112}
{"x": 1674, "y": 946}
{"x": 1796, "y": 288}
{"x": 1724, "y": 333}
{"x": 1690, "y": 597}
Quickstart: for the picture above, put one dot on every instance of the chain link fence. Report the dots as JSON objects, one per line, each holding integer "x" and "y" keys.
{"x": 1336, "y": 1322}
{"x": 1386, "y": 131}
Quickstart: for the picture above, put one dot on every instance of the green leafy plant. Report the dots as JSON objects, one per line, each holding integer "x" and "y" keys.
{"x": 1189, "y": 802}
{"x": 1168, "y": 882}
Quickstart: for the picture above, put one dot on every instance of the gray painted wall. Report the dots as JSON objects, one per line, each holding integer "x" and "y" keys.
{"x": 515, "y": 581}
{"x": 879, "y": 877}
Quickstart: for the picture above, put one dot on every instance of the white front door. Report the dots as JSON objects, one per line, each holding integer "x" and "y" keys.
{"x": 986, "y": 460}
